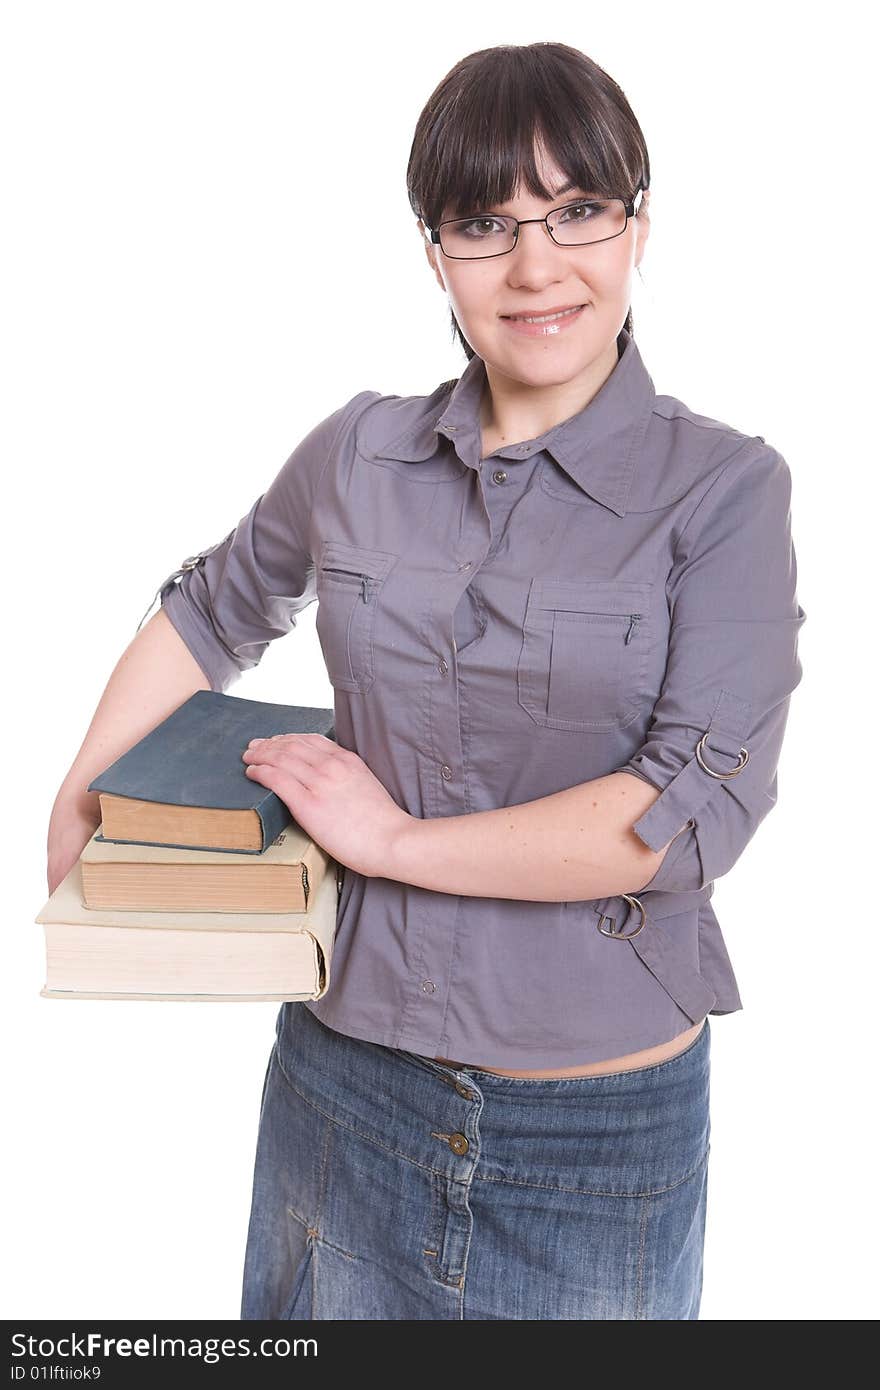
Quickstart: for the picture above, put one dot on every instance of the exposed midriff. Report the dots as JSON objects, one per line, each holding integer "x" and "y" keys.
{"x": 630, "y": 1061}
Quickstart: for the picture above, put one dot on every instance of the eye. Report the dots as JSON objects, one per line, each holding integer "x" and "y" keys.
{"x": 479, "y": 227}
{"x": 580, "y": 212}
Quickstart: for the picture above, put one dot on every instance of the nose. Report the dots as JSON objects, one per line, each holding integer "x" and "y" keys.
{"x": 538, "y": 230}
{"x": 536, "y": 256}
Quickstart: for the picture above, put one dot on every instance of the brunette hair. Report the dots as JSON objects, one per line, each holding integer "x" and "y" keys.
{"x": 478, "y": 130}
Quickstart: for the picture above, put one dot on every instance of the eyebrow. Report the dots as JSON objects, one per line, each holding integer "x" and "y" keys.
{"x": 560, "y": 192}
{"x": 567, "y": 188}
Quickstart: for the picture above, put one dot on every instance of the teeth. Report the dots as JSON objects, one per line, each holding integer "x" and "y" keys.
{"x": 547, "y": 318}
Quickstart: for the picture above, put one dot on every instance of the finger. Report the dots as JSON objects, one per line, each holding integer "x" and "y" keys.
{"x": 328, "y": 745}
{"x": 301, "y": 749}
{"x": 289, "y": 785}
{"x": 292, "y": 765}
{"x": 319, "y": 743}
{"x": 322, "y": 738}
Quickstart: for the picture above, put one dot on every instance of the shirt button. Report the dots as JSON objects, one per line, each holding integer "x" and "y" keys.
{"x": 446, "y": 771}
{"x": 466, "y": 566}
{"x": 428, "y": 986}
{"x": 464, "y": 1090}
{"x": 458, "y": 1143}
{"x": 442, "y": 665}
{"x": 499, "y": 476}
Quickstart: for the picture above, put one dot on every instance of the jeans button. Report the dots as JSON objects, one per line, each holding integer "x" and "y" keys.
{"x": 458, "y": 1143}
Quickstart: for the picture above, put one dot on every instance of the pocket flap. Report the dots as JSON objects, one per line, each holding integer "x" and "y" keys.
{"x": 356, "y": 559}
{"x": 602, "y": 597}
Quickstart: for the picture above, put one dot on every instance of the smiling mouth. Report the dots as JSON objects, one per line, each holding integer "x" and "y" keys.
{"x": 543, "y": 318}
{"x": 544, "y": 327}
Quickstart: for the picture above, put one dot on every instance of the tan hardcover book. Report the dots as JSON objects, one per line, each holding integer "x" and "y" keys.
{"x": 158, "y": 878}
{"x": 219, "y": 956}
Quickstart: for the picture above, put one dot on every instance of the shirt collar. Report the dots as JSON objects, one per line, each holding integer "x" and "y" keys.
{"x": 598, "y": 447}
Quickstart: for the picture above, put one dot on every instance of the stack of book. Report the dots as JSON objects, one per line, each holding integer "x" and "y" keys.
{"x": 198, "y": 884}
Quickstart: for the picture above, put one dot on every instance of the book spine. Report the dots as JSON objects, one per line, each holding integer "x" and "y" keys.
{"x": 274, "y": 816}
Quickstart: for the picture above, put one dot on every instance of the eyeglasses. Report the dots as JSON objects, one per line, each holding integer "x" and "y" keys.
{"x": 575, "y": 224}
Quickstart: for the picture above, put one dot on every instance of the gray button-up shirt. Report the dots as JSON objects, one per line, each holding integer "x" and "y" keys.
{"x": 617, "y": 594}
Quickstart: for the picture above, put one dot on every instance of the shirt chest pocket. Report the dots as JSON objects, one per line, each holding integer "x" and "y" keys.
{"x": 584, "y": 654}
{"x": 349, "y": 580}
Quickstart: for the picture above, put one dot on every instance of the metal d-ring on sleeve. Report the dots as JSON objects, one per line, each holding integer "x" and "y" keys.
{"x": 622, "y": 935}
{"x": 187, "y": 564}
{"x": 743, "y": 753}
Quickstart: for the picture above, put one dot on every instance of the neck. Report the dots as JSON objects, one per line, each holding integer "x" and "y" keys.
{"x": 511, "y": 410}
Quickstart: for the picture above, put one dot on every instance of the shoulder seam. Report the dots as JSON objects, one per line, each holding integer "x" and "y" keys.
{"x": 708, "y": 424}
{"x": 347, "y": 412}
{"x": 444, "y": 389}
{"x": 747, "y": 440}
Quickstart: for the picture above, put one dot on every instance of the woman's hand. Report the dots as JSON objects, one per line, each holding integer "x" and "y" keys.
{"x": 332, "y": 794}
{"x": 70, "y": 830}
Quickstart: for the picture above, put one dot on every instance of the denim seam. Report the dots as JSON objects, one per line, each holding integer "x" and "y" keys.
{"x": 353, "y": 1129}
{"x": 597, "y": 1192}
{"x": 314, "y": 1230}
{"x": 319, "y": 1239}
{"x": 322, "y": 1177}
{"x": 640, "y": 1272}
{"x": 464, "y": 1259}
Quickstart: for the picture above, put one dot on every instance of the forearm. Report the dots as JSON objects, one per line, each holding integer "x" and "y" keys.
{"x": 154, "y": 675}
{"x": 571, "y": 846}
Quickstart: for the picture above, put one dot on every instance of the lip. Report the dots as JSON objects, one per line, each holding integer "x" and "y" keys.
{"x": 545, "y": 330}
{"x": 539, "y": 313}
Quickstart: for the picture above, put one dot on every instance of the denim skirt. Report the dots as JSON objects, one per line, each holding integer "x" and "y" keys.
{"x": 390, "y": 1186}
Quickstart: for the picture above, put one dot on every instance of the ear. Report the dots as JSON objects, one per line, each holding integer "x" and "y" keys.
{"x": 430, "y": 253}
{"x": 643, "y": 225}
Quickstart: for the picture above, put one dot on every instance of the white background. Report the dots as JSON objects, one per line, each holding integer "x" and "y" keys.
{"x": 207, "y": 248}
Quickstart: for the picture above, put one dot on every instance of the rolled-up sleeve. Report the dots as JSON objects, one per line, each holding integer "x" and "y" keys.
{"x": 713, "y": 745}
{"x": 230, "y": 600}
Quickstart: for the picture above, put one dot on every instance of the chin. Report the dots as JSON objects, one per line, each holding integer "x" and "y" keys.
{"x": 545, "y": 357}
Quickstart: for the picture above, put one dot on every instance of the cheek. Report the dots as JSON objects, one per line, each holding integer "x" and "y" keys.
{"x": 473, "y": 292}
{"x": 607, "y": 271}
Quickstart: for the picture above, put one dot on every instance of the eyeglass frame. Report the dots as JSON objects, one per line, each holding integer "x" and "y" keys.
{"x": 629, "y": 207}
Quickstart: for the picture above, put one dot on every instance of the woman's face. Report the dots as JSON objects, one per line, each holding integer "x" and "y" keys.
{"x": 538, "y": 276}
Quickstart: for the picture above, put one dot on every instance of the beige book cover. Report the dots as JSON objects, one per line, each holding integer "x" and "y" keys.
{"x": 160, "y": 878}
{"x": 221, "y": 956}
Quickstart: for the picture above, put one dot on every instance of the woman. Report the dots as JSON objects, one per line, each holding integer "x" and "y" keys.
{"x": 558, "y": 611}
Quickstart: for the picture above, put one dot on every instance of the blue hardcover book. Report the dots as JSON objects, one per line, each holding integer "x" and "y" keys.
{"x": 184, "y": 784}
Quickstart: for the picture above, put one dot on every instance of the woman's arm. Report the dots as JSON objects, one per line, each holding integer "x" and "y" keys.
{"x": 570, "y": 846}
{"x": 155, "y": 674}
{"x": 732, "y": 666}
{"x": 245, "y": 592}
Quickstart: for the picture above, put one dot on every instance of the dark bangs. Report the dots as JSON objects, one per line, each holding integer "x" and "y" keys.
{"x": 475, "y": 140}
